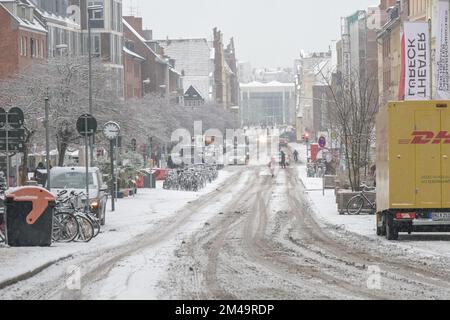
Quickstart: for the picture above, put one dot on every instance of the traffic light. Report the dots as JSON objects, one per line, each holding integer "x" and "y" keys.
{"x": 306, "y": 137}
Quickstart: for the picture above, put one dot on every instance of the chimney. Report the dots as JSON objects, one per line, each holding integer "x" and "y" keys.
{"x": 135, "y": 23}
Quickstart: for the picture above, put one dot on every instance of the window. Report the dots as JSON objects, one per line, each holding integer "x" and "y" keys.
{"x": 96, "y": 14}
{"x": 96, "y": 44}
{"x": 32, "y": 48}
{"x": 22, "y": 46}
{"x": 72, "y": 180}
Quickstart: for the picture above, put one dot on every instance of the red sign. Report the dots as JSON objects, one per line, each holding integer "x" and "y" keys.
{"x": 314, "y": 151}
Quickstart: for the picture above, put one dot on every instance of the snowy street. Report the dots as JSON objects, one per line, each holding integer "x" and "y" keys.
{"x": 246, "y": 236}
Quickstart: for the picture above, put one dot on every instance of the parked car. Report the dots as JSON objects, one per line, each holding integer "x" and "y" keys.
{"x": 74, "y": 179}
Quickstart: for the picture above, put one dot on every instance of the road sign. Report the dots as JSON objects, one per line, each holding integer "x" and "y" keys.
{"x": 15, "y": 118}
{"x": 334, "y": 136}
{"x": 13, "y": 146}
{"x": 90, "y": 121}
{"x": 18, "y": 134}
{"x": 322, "y": 142}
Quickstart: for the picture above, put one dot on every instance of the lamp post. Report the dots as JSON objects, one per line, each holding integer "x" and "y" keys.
{"x": 91, "y": 10}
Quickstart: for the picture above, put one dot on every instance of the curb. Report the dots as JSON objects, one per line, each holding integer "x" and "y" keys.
{"x": 32, "y": 273}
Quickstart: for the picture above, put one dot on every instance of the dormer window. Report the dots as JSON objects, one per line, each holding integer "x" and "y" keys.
{"x": 22, "y": 12}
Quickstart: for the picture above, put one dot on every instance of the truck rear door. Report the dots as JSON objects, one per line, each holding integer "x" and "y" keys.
{"x": 428, "y": 161}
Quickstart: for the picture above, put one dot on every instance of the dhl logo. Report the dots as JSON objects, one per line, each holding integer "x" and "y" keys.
{"x": 427, "y": 137}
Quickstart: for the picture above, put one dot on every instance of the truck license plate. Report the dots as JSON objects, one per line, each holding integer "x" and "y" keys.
{"x": 441, "y": 216}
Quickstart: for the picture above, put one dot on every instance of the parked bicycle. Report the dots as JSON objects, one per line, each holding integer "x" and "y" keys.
{"x": 190, "y": 179}
{"x": 356, "y": 204}
{"x": 2, "y": 217}
{"x": 71, "y": 222}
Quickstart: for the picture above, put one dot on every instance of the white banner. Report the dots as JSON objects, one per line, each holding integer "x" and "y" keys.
{"x": 417, "y": 61}
{"x": 442, "y": 51}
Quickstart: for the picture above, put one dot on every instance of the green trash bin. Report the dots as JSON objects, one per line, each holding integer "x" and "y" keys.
{"x": 29, "y": 217}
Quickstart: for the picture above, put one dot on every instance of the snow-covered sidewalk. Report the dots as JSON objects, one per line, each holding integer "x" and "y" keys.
{"x": 325, "y": 209}
{"x": 133, "y": 216}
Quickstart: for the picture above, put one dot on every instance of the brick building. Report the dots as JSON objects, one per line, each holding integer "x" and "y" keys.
{"x": 226, "y": 82}
{"x": 132, "y": 66}
{"x": 158, "y": 74}
{"x": 23, "y": 36}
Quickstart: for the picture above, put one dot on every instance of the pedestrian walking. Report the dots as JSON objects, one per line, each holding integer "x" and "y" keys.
{"x": 283, "y": 160}
{"x": 271, "y": 166}
{"x": 295, "y": 156}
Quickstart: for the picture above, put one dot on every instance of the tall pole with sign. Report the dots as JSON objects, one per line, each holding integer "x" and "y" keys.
{"x": 47, "y": 144}
{"x": 12, "y": 134}
{"x": 87, "y": 126}
{"x": 111, "y": 131}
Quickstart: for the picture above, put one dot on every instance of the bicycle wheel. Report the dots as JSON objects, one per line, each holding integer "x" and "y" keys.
{"x": 86, "y": 229}
{"x": 96, "y": 224}
{"x": 355, "y": 205}
{"x": 65, "y": 227}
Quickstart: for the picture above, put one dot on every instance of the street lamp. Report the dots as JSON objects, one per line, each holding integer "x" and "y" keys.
{"x": 91, "y": 11}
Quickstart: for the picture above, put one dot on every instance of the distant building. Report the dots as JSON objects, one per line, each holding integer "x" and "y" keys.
{"x": 23, "y": 36}
{"x": 193, "y": 59}
{"x": 193, "y": 98}
{"x": 158, "y": 74}
{"x": 245, "y": 72}
{"x": 226, "y": 83}
{"x": 269, "y": 75}
{"x": 310, "y": 69}
{"x": 267, "y": 103}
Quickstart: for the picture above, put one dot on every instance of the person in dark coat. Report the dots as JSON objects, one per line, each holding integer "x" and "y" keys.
{"x": 283, "y": 160}
{"x": 39, "y": 176}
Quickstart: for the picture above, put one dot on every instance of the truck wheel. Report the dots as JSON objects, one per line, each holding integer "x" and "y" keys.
{"x": 391, "y": 230}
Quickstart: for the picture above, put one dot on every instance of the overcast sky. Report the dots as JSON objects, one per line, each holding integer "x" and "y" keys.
{"x": 268, "y": 33}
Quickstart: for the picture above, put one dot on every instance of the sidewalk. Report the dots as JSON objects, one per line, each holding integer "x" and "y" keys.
{"x": 325, "y": 209}
{"x": 133, "y": 216}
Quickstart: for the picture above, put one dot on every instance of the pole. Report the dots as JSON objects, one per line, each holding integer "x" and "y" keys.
{"x": 86, "y": 159}
{"x": 151, "y": 161}
{"x": 91, "y": 142}
{"x": 116, "y": 184}
{"x": 7, "y": 152}
{"x": 113, "y": 179}
{"x": 47, "y": 144}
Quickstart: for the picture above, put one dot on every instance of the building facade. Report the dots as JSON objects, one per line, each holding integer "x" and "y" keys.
{"x": 268, "y": 104}
{"x": 23, "y": 37}
{"x": 64, "y": 31}
{"x": 158, "y": 73}
{"x": 132, "y": 66}
{"x": 106, "y": 35}
{"x": 193, "y": 59}
{"x": 310, "y": 70}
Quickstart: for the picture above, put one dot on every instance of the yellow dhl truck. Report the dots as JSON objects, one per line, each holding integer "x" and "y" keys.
{"x": 413, "y": 168}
